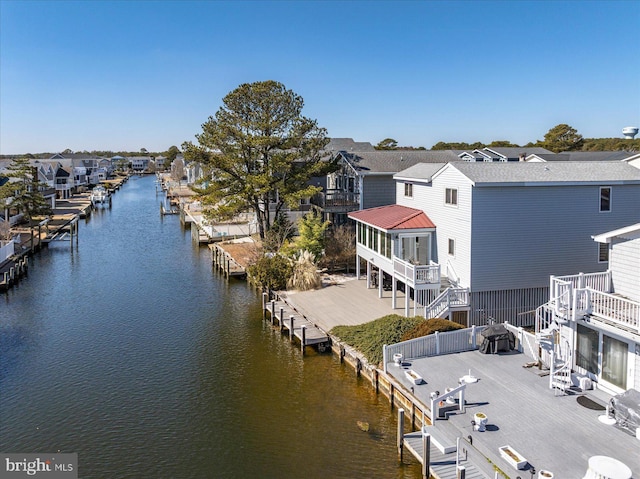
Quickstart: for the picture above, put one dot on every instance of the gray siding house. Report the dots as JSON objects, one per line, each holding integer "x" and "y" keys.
{"x": 501, "y": 229}
{"x": 364, "y": 179}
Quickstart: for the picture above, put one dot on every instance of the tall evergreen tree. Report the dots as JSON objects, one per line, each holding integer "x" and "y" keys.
{"x": 27, "y": 197}
{"x": 262, "y": 153}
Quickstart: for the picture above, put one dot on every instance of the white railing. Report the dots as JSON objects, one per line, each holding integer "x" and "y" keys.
{"x": 595, "y": 281}
{"x": 6, "y": 250}
{"x": 620, "y": 311}
{"x": 450, "y": 297}
{"x": 454, "y": 279}
{"x": 416, "y": 275}
{"x": 435, "y": 344}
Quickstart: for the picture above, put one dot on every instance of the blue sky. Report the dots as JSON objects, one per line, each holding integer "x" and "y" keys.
{"x": 125, "y": 75}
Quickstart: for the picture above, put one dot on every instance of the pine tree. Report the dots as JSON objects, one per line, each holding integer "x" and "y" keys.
{"x": 27, "y": 197}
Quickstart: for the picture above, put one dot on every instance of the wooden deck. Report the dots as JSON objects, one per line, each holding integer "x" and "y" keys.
{"x": 554, "y": 433}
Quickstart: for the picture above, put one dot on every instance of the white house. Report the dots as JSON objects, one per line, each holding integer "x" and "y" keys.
{"x": 593, "y": 320}
{"x": 501, "y": 229}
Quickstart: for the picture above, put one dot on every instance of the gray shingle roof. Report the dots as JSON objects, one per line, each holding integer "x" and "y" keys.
{"x": 514, "y": 152}
{"x": 598, "y": 155}
{"x": 393, "y": 161}
{"x": 348, "y": 144}
{"x": 421, "y": 171}
{"x": 600, "y": 172}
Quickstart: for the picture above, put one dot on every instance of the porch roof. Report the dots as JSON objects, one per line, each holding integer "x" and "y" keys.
{"x": 393, "y": 217}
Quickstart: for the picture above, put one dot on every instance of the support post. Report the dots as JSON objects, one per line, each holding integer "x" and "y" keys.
{"x": 281, "y": 316}
{"x": 461, "y": 472}
{"x": 264, "y": 305}
{"x": 426, "y": 455}
{"x": 303, "y": 337}
{"x": 291, "y": 328}
{"x": 400, "y": 439}
{"x": 273, "y": 309}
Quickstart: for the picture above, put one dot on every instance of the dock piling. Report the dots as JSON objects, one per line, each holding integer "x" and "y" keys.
{"x": 280, "y": 317}
{"x": 426, "y": 454}
{"x": 291, "y": 320}
{"x": 303, "y": 337}
{"x": 400, "y": 441}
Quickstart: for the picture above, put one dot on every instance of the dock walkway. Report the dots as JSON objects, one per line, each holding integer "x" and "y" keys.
{"x": 291, "y": 320}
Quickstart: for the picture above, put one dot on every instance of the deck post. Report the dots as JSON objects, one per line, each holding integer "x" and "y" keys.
{"x": 264, "y": 305}
{"x": 426, "y": 454}
{"x": 291, "y": 320}
{"x": 376, "y": 380}
{"x": 461, "y": 472}
{"x": 384, "y": 358}
{"x": 392, "y": 392}
{"x": 281, "y": 316}
{"x": 358, "y": 367}
{"x": 303, "y": 337}
{"x": 273, "y": 309}
{"x": 400, "y": 440}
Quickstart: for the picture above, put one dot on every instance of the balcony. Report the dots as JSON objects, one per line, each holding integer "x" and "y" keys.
{"x": 336, "y": 201}
{"x": 590, "y": 294}
{"x": 417, "y": 276}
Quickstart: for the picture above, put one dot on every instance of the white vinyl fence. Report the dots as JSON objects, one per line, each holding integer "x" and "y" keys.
{"x": 435, "y": 344}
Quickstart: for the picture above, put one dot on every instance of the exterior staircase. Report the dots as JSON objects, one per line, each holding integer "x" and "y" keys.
{"x": 451, "y": 296}
{"x": 556, "y": 351}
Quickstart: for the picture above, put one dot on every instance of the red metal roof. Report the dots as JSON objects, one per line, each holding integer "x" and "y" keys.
{"x": 393, "y": 217}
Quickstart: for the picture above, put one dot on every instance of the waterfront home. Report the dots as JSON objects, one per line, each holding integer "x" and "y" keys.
{"x": 364, "y": 179}
{"x": 499, "y": 231}
{"x": 139, "y": 164}
{"x": 591, "y": 322}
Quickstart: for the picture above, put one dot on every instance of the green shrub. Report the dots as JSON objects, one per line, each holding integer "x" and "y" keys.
{"x": 430, "y": 326}
{"x": 369, "y": 338}
{"x": 271, "y": 272}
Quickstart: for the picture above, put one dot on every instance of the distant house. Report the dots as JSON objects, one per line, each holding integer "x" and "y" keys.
{"x": 592, "y": 320}
{"x": 501, "y": 154}
{"x": 499, "y": 231}
{"x": 364, "y": 179}
{"x": 585, "y": 156}
{"x": 139, "y": 164}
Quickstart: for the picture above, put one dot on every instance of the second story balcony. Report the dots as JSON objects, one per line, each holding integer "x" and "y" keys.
{"x": 336, "y": 201}
{"x": 590, "y": 294}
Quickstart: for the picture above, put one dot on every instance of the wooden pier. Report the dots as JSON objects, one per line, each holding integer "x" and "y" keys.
{"x": 12, "y": 270}
{"x": 225, "y": 263}
{"x": 441, "y": 456}
{"x": 296, "y": 325}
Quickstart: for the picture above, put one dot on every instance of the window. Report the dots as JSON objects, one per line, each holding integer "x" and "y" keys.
{"x": 614, "y": 361}
{"x": 452, "y": 247}
{"x": 451, "y": 196}
{"x": 605, "y": 199}
{"x": 587, "y": 349}
{"x": 408, "y": 190}
{"x": 603, "y": 253}
{"x": 387, "y": 246}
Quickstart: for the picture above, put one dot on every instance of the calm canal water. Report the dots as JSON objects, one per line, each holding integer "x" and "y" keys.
{"x": 132, "y": 352}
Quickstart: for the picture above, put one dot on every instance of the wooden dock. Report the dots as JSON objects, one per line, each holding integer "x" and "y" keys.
{"x": 441, "y": 456}
{"x": 289, "y": 320}
{"x": 12, "y": 270}
{"x": 225, "y": 263}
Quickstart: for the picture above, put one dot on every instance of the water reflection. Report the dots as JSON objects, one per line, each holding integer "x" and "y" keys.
{"x": 132, "y": 352}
